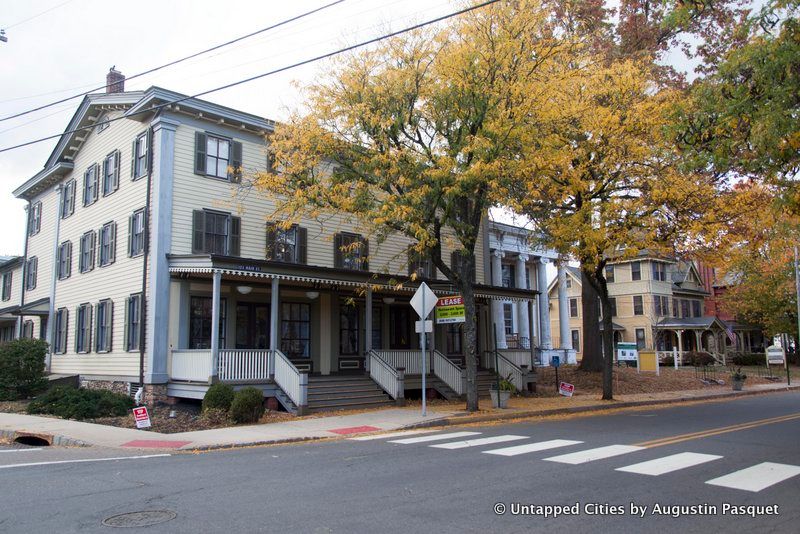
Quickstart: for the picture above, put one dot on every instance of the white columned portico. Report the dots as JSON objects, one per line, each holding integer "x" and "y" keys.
{"x": 497, "y": 306}
{"x": 216, "y": 287}
{"x": 522, "y": 307}
{"x": 545, "y": 343}
{"x": 563, "y": 308}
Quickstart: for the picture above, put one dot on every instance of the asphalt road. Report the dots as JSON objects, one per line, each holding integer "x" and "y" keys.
{"x": 712, "y": 459}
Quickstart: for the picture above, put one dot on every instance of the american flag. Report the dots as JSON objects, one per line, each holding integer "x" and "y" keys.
{"x": 731, "y": 335}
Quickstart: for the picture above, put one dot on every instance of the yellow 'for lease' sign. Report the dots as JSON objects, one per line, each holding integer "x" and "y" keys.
{"x": 450, "y": 310}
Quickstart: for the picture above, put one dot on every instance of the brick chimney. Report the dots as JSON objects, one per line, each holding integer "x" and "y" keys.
{"x": 115, "y": 81}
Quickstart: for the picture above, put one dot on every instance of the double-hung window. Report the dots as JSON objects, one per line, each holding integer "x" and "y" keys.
{"x": 7, "y": 277}
{"x": 286, "y": 244}
{"x": 216, "y": 232}
{"x": 133, "y": 321}
{"x": 88, "y": 244}
{"x": 111, "y": 173}
{"x": 508, "y": 319}
{"x": 136, "y": 233}
{"x": 60, "y": 341}
{"x": 296, "y": 329}
{"x": 105, "y": 321}
{"x": 90, "y": 185}
{"x": 507, "y": 275}
{"x": 659, "y": 271}
{"x": 68, "y": 199}
{"x": 349, "y": 330}
{"x": 140, "y": 154}
{"x": 613, "y": 302}
{"x": 200, "y": 322}
{"x": 638, "y": 305}
{"x": 573, "y": 307}
{"x": 351, "y": 251}
{"x": 576, "y": 340}
{"x": 636, "y": 270}
{"x": 31, "y": 269}
{"x": 108, "y": 244}
{"x": 64, "y": 260}
{"x": 217, "y": 156}
{"x": 83, "y": 328}
{"x": 35, "y": 218}
{"x": 420, "y": 265}
{"x": 610, "y": 274}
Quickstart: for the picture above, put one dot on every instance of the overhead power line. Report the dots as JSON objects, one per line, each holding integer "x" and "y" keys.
{"x": 270, "y": 73}
{"x": 36, "y": 15}
{"x": 175, "y": 62}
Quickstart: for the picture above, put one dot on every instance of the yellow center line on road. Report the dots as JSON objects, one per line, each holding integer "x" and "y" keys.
{"x": 715, "y": 431}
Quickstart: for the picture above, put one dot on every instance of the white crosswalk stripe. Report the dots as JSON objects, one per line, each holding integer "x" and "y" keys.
{"x": 668, "y": 464}
{"x": 757, "y": 477}
{"x": 437, "y": 437}
{"x": 590, "y": 455}
{"x": 477, "y": 442}
{"x": 532, "y": 447}
{"x": 392, "y": 435}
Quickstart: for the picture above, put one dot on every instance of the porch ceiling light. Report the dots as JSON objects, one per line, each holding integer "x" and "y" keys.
{"x": 388, "y": 300}
{"x": 244, "y": 290}
{"x": 312, "y": 294}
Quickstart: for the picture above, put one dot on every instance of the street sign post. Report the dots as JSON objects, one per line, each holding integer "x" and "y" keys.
{"x": 555, "y": 361}
{"x": 423, "y": 302}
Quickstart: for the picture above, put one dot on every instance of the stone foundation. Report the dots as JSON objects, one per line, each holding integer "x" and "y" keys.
{"x": 116, "y": 387}
{"x": 154, "y": 394}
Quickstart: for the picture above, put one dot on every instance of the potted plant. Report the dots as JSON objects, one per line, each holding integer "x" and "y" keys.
{"x": 737, "y": 379}
{"x": 506, "y": 388}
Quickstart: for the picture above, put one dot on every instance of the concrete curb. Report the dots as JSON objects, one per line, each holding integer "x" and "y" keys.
{"x": 283, "y": 441}
{"x": 53, "y": 440}
{"x": 468, "y": 419}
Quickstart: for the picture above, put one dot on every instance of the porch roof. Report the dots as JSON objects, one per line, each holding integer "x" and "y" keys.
{"x": 36, "y": 307}
{"x": 690, "y": 323}
{"x": 205, "y": 264}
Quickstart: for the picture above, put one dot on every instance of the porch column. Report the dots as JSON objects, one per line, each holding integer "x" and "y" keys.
{"x": 698, "y": 339}
{"x": 545, "y": 342}
{"x": 368, "y": 322}
{"x": 563, "y": 308}
{"x": 325, "y": 333}
{"x": 274, "y": 315}
{"x": 216, "y": 277}
{"x": 680, "y": 347}
{"x": 522, "y": 307}
{"x": 497, "y": 306}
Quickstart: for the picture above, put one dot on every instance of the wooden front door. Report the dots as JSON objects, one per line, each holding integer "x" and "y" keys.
{"x": 400, "y": 327}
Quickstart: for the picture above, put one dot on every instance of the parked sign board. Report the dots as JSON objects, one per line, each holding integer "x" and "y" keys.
{"x": 627, "y": 352}
{"x": 566, "y": 389}
{"x": 775, "y": 354}
{"x": 141, "y": 417}
{"x": 450, "y": 310}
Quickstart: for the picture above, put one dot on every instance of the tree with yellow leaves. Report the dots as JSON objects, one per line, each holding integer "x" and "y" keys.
{"x": 420, "y": 135}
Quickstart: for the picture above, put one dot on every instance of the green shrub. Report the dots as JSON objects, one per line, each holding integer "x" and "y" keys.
{"x": 698, "y": 359}
{"x": 71, "y": 403}
{"x": 749, "y": 358}
{"x": 218, "y": 397}
{"x": 22, "y": 368}
{"x": 247, "y": 405}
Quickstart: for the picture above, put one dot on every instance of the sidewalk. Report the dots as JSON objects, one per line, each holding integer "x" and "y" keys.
{"x": 65, "y": 432}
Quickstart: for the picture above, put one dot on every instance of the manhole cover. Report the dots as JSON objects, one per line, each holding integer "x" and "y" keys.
{"x": 140, "y": 519}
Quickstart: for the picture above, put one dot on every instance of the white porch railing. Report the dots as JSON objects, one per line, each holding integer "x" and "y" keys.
{"x": 384, "y": 375}
{"x": 410, "y": 359}
{"x": 679, "y": 356}
{"x": 289, "y": 379}
{"x": 448, "y": 372}
{"x": 190, "y": 365}
{"x": 506, "y": 368}
{"x": 243, "y": 364}
{"x": 517, "y": 357}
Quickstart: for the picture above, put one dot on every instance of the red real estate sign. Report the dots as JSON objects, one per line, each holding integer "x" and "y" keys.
{"x": 141, "y": 417}
{"x": 566, "y": 389}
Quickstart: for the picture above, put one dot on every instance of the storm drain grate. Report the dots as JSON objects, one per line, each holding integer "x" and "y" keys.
{"x": 144, "y": 518}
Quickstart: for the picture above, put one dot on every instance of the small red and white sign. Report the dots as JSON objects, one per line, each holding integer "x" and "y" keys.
{"x": 566, "y": 389}
{"x": 141, "y": 417}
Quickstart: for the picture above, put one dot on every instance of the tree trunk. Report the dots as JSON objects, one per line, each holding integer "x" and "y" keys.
{"x": 470, "y": 330}
{"x": 596, "y": 279}
{"x": 592, "y": 359}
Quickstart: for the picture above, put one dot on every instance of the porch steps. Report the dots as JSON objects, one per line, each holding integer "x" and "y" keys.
{"x": 344, "y": 392}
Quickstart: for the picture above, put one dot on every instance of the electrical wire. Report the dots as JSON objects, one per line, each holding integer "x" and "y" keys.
{"x": 175, "y": 62}
{"x": 36, "y": 15}
{"x": 314, "y": 59}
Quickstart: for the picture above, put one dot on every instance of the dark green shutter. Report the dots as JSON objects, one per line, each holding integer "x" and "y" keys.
{"x": 112, "y": 253}
{"x": 199, "y": 153}
{"x": 235, "y": 237}
{"x": 269, "y": 249}
{"x": 131, "y": 223}
{"x": 77, "y": 332}
{"x": 116, "y": 169}
{"x": 97, "y": 328}
{"x": 198, "y": 231}
{"x": 236, "y": 162}
{"x": 302, "y": 245}
{"x": 65, "y": 326}
{"x": 89, "y": 310}
{"x": 94, "y": 249}
{"x": 364, "y": 256}
{"x": 126, "y": 331}
{"x": 133, "y": 160}
{"x": 110, "y": 330}
{"x": 96, "y": 182}
{"x": 148, "y": 158}
{"x": 69, "y": 259}
{"x": 337, "y": 251}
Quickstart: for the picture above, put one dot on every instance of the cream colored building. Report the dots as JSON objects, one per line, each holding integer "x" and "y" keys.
{"x": 657, "y": 303}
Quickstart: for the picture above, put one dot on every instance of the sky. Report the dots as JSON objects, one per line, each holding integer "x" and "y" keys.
{"x": 59, "y": 48}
